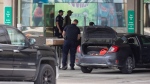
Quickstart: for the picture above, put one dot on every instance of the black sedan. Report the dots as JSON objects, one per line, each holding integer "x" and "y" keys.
{"x": 102, "y": 48}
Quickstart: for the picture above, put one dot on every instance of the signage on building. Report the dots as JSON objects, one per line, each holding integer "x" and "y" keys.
{"x": 146, "y": 1}
{"x": 8, "y": 15}
{"x": 131, "y": 22}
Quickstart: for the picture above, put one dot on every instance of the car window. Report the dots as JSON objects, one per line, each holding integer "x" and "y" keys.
{"x": 16, "y": 37}
{"x": 2, "y": 37}
{"x": 121, "y": 40}
{"x": 135, "y": 41}
{"x": 145, "y": 40}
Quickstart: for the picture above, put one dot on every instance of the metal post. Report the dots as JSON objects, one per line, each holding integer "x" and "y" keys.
{"x": 59, "y": 48}
{"x": 19, "y": 11}
{"x": 141, "y": 17}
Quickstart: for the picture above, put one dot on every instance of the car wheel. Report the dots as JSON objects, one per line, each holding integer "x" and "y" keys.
{"x": 128, "y": 66}
{"x": 86, "y": 70}
{"x": 46, "y": 75}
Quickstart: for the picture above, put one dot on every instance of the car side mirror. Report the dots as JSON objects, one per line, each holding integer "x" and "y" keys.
{"x": 32, "y": 41}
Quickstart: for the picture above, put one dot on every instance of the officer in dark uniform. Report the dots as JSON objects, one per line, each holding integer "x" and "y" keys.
{"x": 71, "y": 35}
{"x": 59, "y": 24}
{"x": 67, "y": 20}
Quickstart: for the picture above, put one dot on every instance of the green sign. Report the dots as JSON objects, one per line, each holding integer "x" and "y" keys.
{"x": 8, "y": 15}
{"x": 146, "y": 1}
{"x": 131, "y": 21}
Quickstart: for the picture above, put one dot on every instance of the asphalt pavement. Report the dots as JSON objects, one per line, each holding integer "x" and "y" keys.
{"x": 99, "y": 76}
{"x": 104, "y": 76}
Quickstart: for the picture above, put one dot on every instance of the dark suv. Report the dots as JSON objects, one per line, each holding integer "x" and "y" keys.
{"x": 22, "y": 60}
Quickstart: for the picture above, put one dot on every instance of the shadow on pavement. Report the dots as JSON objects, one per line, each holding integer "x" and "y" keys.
{"x": 136, "y": 71}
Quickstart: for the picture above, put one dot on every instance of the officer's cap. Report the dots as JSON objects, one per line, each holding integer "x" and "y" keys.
{"x": 60, "y": 11}
{"x": 69, "y": 11}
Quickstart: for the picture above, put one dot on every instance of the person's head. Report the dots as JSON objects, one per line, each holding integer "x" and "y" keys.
{"x": 91, "y": 24}
{"x": 75, "y": 21}
{"x": 40, "y": 4}
{"x": 61, "y": 12}
{"x": 69, "y": 12}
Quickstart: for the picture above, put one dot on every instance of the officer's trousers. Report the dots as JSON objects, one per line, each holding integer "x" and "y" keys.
{"x": 69, "y": 46}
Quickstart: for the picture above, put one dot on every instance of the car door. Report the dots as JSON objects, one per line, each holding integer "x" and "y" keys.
{"x": 24, "y": 55}
{"x": 6, "y": 55}
{"x": 145, "y": 49}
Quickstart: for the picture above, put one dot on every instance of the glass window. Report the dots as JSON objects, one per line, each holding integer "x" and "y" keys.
{"x": 2, "y": 37}
{"x": 113, "y": 1}
{"x": 16, "y": 37}
{"x": 145, "y": 40}
{"x": 74, "y": 1}
{"x": 135, "y": 42}
{"x": 32, "y": 12}
{"x": 80, "y": 11}
{"x": 111, "y": 14}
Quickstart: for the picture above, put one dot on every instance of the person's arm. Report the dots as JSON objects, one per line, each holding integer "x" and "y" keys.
{"x": 64, "y": 32}
{"x": 79, "y": 35}
{"x": 36, "y": 12}
{"x": 65, "y": 19}
{"x": 57, "y": 24}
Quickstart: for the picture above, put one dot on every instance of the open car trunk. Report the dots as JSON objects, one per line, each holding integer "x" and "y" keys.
{"x": 97, "y": 39}
{"x": 95, "y": 50}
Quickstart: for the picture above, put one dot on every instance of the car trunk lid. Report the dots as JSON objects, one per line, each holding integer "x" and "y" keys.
{"x": 99, "y": 35}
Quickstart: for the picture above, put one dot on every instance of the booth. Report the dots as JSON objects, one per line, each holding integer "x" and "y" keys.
{"x": 41, "y": 26}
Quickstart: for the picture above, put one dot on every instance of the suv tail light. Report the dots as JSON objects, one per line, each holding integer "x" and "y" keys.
{"x": 113, "y": 49}
{"x": 79, "y": 49}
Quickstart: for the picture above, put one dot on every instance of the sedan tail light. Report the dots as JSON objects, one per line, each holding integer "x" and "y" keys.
{"x": 113, "y": 49}
{"x": 79, "y": 49}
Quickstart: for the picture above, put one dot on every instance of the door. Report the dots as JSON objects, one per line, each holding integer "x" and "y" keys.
{"x": 145, "y": 49}
{"x": 24, "y": 56}
{"x": 6, "y": 56}
{"x": 49, "y": 11}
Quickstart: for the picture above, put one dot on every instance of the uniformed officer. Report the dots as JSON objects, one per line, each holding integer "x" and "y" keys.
{"x": 71, "y": 35}
{"x": 67, "y": 20}
{"x": 59, "y": 24}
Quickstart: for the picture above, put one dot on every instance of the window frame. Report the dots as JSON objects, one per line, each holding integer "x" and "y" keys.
{"x": 135, "y": 40}
{"x": 142, "y": 40}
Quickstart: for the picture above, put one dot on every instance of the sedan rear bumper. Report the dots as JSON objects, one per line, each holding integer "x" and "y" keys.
{"x": 86, "y": 64}
{"x": 97, "y": 61}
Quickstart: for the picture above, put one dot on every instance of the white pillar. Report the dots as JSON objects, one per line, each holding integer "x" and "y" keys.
{"x": 7, "y": 2}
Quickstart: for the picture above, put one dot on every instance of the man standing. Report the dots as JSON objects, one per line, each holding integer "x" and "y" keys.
{"x": 71, "y": 35}
{"x": 38, "y": 14}
{"x": 59, "y": 24}
{"x": 67, "y": 20}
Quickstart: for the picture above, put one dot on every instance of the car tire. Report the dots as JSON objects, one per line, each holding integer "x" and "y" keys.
{"x": 46, "y": 75}
{"x": 86, "y": 70}
{"x": 128, "y": 66}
